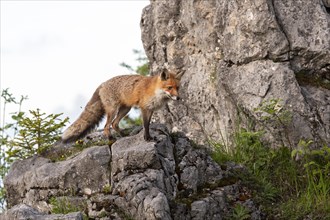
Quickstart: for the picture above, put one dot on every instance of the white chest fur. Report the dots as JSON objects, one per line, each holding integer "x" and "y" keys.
{"x": 158, "y": 100}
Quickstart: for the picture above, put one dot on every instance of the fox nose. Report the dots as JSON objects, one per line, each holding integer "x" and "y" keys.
{"x": 176, "y": 98}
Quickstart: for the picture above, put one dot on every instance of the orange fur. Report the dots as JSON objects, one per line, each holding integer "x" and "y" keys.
{"x": 115, "y": 97}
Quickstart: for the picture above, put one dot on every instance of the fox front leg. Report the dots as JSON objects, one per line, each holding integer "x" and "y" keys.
{"x": 146, "y": 116}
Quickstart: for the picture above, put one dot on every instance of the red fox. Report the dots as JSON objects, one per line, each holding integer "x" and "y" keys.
{"x": 115, "y": 97}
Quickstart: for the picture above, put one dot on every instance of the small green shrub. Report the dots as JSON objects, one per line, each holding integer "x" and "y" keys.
{"x": 107, "y": 188}
{"x": 273, "y": 110}
{"x": 36, "y": 133}
{"x": 288, "y": 184}
{"x": 316, "y": 169}
{"x": 63, "y": 205}
{"x": 240, "y": 212}
{"x": 24, "y": 135}
{"x": 274, "y": 114}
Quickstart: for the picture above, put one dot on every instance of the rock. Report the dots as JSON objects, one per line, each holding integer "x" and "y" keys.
{"x": 169, "y": 180}
{"x": 309, "y": 43}
{"x": 35, "y": 180}
{"x": 142, "y": 177}
{"x": 209, "y": 207}
{"x": 23, "y": 212}
{"x": 238, "y": 54}
{"x": 164, "y": 179}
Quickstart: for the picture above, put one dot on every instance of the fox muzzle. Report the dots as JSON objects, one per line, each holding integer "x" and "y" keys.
{"x": 176, "y": 98}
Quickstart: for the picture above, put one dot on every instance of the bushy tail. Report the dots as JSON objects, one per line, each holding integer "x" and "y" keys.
{"x": 88, "y": 120}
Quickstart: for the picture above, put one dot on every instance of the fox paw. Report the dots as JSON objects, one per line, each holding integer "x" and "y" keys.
{"x": 148, "y": 138}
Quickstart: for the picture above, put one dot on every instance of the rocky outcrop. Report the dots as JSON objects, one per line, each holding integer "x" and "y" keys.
{"x": 238, "y": 54}
{"x": 24, "y": 212}
{"x": 35, "y": 180}
{"x": 165, "y": 179}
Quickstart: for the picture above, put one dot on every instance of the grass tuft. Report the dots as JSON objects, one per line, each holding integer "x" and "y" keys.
{"x": 287, "y": 184}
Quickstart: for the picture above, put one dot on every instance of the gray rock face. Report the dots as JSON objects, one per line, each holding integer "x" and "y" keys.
{"x": 34, "y": 181}
{"x": 165, "y": 179}
{"x": 24, "y": 212}
{"x": 238, "y": 54}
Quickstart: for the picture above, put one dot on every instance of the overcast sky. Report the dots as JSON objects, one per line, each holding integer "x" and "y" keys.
{"x": 58, "y": 52}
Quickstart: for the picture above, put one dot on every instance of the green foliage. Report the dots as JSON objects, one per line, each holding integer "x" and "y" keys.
{"x": 251, "y": 152}
{"x": 107, "y": 188}
{"x": 37, "y": 132}
{"x": 316, "y": 165}
{"x": 7, "y": 132}
{"x": 63, "y": 205}
{"x": 25, "y": 135}
{"x": 273, "y": 113}
{"x": 278, "y": 177}
{"x": 5, "y": 128}
{"x": 313, "y": 191}
{"x": 240, "y": 212}
{"x": 128, "y": 122}
{"x": 288, "y": 184}
{"x": 142, "y": 68}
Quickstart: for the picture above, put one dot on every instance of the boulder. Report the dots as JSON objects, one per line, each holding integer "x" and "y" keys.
{"x": 23, "y": 212}
{"x": 35, "y": 180}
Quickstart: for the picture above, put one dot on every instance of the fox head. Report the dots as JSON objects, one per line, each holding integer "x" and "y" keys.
{"x": 170, "y": 84}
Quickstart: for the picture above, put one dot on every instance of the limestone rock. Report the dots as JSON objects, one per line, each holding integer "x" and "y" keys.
{"x": 238, "y": 54}
{"x": 35, "y": 180}
{"x": 164, "y": 179}
{"x": 23, "y": 212}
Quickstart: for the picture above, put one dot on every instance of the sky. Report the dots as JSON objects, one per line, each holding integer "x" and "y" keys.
{"x": 58, "y": 52}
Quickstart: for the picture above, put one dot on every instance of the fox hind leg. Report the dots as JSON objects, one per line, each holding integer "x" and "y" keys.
{"x": 122, "y": 111}
{"x": 110, "y": 112}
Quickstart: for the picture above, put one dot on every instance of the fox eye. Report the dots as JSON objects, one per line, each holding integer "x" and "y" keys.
{"x": 169, "y": 87}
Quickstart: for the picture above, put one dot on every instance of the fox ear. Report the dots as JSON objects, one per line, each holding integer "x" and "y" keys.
{"x": 180, "y": 74}
{"x": 164, "y": 75}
